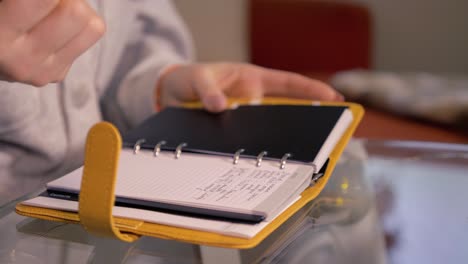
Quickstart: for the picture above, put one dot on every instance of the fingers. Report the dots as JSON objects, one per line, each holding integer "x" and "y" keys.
{"x": 19, "y": 16}
{"x": 39, "y": 48}
{"x": 73, "y": 17}
{"x": 210, "y": 94}
{"x": 213, "y": 83}
{"x": 55, "y": 67}
{"x": 285, "y": 84}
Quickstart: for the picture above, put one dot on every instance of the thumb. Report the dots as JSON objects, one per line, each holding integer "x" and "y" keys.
{"x": 211, "y": 95}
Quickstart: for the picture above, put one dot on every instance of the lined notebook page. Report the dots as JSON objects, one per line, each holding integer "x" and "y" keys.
{"x": 194, "y": 179}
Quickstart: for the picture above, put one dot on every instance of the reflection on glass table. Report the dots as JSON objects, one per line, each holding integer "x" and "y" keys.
{"x": 421, "y": 193}
{"x": 420, "y": 196}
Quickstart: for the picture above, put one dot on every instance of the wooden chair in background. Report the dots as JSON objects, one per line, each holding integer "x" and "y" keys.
{"x": 310, "y": 36}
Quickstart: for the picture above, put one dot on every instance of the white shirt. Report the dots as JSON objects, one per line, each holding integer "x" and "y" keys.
{"x": 43, "y": 130}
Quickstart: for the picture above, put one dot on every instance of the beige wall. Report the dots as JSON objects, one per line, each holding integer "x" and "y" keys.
{"x": 416, "y": 35}
{"x": 218, "y": 28}
{"x": 424, "y": 35}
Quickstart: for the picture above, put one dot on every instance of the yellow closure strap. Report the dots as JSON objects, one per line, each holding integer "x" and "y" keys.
{"x": 97, "y": 196}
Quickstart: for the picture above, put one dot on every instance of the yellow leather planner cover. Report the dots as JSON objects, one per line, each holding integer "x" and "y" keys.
{"x": 97, "y": 197}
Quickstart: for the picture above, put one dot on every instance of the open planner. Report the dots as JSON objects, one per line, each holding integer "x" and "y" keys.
{"x": 228, "y": 175}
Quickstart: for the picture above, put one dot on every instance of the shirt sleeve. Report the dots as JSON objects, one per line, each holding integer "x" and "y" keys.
{"x": 143, "y": 38}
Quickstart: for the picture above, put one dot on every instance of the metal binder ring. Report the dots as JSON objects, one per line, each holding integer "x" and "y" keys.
{"x": 260, "y": 158}
{"x": 317, "y": 177}
{"x": 178, "y": 150}
{"x": 237, "y": 156}
{"x": 283, "y": 160}
{"x": 137, "y": 146}
{"x": 157, "y": 148}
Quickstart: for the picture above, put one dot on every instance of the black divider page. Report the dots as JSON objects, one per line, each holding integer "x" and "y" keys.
{"x": 279, "y": 129}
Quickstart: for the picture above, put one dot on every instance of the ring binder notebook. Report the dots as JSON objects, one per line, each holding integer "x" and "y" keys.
{"x": 201, "y": 161}
{"x": 236, "y": 156}
{"x": 263, "y": 132}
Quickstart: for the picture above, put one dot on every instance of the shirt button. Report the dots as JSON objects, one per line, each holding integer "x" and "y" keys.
{"x": 80, "y": 95}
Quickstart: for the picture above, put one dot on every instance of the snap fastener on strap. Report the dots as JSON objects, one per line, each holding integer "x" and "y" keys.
{"x": 97, "y": 196}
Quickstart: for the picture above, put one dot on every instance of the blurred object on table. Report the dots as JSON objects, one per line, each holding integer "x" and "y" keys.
{"x": 381, "y": 124}
{"x": 434, "y": 98}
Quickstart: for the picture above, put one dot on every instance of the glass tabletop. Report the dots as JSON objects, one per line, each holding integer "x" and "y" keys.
{"x": 387, "y": 201}
{"x": 421, "y": 191}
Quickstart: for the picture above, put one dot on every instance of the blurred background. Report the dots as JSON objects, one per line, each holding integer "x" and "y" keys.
{"x": 418, "y": 35}
{"x": 406, "y": 61}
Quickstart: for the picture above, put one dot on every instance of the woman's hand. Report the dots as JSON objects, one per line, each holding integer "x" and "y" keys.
{"x": 40, "y": 39}
{"x": 212, "y": 84}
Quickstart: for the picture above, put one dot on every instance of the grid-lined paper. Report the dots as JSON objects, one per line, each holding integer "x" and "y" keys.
{"x": 198, "y": 180}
